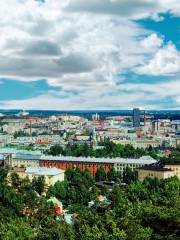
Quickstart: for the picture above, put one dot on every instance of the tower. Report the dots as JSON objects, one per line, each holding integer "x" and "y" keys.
{"x": 136, "y": 117}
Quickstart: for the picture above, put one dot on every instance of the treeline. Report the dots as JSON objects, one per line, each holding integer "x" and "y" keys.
{"x": 146, "y": 211}
{"x": 109, "y": 149}
{"x": 22, "y": 133}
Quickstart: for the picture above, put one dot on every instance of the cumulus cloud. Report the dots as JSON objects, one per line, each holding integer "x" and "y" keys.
{"x": 83, "y": 46}
{"x": 152, "y": 42}
{"x": 123, "y": 97}
{"x": 76, "y": 63}
{"x": 40, "y": 48}
{"x": 133, "y": 9}
{"x": 125, "y": 8}
{"x": 165, "y": 62}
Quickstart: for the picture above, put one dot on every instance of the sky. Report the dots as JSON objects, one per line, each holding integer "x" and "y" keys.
{"x": 88, "y": 55}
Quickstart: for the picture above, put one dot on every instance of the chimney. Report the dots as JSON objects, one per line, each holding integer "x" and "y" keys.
{"x": 144, "y": 119}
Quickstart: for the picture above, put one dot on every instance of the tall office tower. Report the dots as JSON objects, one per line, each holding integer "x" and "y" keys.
{"x": 136, "y": 117}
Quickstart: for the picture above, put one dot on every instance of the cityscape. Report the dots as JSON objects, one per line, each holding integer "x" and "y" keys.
{"x": 90, "y": 120}
{"x": 96, "y": 156}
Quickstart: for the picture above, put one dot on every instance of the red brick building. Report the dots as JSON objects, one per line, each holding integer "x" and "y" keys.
{"x": 64, "y": 164}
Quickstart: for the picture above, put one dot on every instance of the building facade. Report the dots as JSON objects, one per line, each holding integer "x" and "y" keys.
{"x": 136, "y": 117}
{"x": 62, "y": 162}
{"x": 154, "y": 172}
{"x": 175, "y": 167}
{"x": 51, "y": 175}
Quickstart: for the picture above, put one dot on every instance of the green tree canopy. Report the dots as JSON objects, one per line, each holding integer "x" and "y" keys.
{"x": 100, "y": 174}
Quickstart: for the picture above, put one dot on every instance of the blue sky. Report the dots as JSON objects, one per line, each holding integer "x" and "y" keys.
{"x": 169, "y": 27}
{"x": 100, "y": 54}
{"x": 15, "y": 90}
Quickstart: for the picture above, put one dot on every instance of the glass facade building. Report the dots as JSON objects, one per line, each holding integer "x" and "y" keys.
{"x": 136, "y": 117}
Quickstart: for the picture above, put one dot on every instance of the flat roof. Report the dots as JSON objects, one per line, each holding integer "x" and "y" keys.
{"x": 44, "y": 171}
{"x": 27, "y": 156}
{"x": 141, "y": 160}
{"x": 175, "y": 163}
{"x": 18, "y": 151}
{"x": 156, "y": 168}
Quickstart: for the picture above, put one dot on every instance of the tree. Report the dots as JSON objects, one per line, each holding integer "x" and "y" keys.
{"x": 55, "y": 150}
{"x": 137, "y": 191}
{"x": 10, "y": 199}
{"x": 128, "y": 175}
{"x": 136, "y": 232}
{"x": 88, "y": 179}
{"x": 16, "y": 229}
{"x": 59, "y": 190}
{"x": 72, "y": 195}
{"x": 100, "y": 174}
{"x": 15, "y": 181}
{"x": 20, "y": 133}
{"x": 83, "y": 195}
{"x": 3, "y": 174}
{"x": 112, "y": 174}
{"x": 78, "y": 176}
{"x": 110, "y": 149}
{"x": 94, "y": 192}
{"x": 34, "y": 134}
{"x": 116, "y": 196}
{"x": 105, "y": 191}
{"x": 52, "y": 230}
{"x": 38, "y": 184}
{"x": 69, "y": 173}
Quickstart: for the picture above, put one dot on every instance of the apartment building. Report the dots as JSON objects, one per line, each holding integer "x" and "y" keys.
{"x": 154, "y": 172}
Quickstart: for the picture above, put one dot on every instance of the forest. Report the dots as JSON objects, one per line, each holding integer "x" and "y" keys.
{"x": 147, "y": 210}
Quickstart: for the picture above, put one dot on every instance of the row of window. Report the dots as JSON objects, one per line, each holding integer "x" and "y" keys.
{"x": 129, "y": 165}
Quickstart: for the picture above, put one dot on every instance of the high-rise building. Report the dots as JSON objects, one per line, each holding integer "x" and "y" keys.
{"x": 95, "y": 117}
{"x": 136, "y": 117}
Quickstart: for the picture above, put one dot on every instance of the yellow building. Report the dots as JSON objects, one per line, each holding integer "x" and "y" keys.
{"x": 82, "y": 137}
{"x": 154, "y": 172}
{"x": 51, "y": 175}
{"x": 175, "y": 167}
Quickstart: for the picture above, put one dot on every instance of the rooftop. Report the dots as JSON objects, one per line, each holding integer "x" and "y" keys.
{"x": 142, "y": 160}
{"x": 155, "y": 168}
{"x": 44, "y": 171}
{"x": 36, "y": 155}
{"x": 17, "y": 151}
{"x": 174, "y": 163}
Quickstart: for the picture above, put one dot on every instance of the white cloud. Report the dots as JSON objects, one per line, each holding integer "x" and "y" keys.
{"x": 83, "y": 46}
{"x": 125, "y": 96}
{"x": 132, "y": 9}
{"x": 65, "y": 46}
{"x": 165, "y": 62}
{"x": 152, "y": 42}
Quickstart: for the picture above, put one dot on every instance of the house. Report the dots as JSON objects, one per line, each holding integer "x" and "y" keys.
{"x": 57, "y": 204}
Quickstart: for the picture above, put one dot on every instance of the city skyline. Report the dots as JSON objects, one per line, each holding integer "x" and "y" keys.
{"x": 104, "y": 54}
